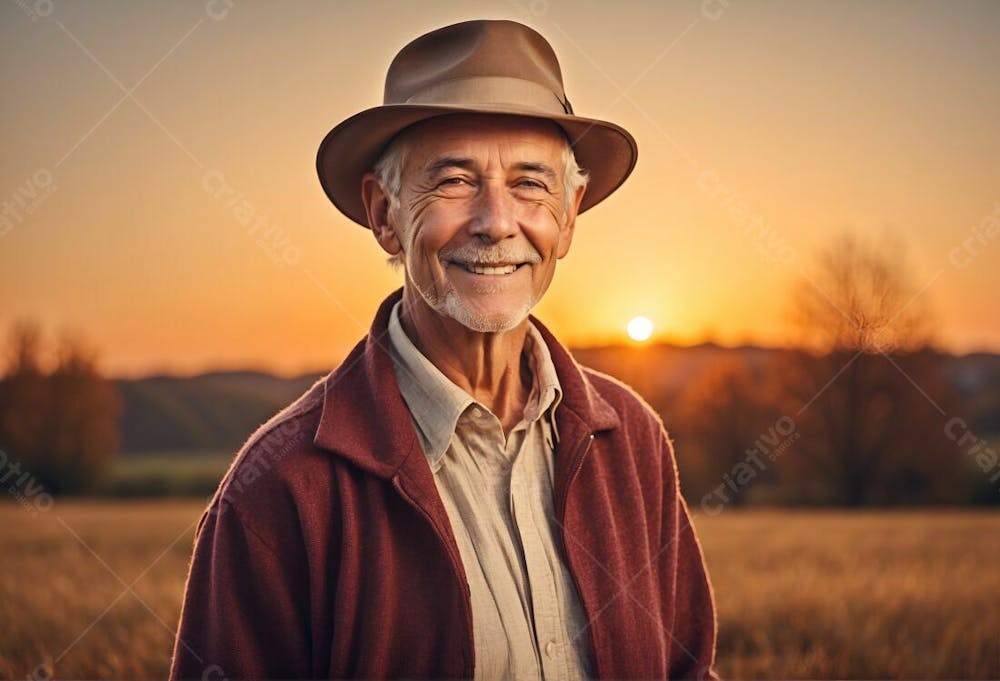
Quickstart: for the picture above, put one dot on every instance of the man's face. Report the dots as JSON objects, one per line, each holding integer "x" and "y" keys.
{"x": 483, "y": 216}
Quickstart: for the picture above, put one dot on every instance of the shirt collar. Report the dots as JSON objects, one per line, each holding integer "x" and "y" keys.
{"x": 436, "y": 403}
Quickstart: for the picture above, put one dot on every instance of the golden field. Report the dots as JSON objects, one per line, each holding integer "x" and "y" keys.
{"x": 93, "y": 589}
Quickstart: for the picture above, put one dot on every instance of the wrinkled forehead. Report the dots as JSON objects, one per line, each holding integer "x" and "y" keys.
{"x": 479, "y": 135}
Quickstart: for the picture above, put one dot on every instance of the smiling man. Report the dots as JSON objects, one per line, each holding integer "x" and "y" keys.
{"x": 460, "y": 498}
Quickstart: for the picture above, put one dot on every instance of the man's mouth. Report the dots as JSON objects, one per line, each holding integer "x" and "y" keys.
{"x": 494, "y": 269}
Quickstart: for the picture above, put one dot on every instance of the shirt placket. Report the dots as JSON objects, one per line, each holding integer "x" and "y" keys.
{"x": 500, "y": 453}
{"x": 525, "y": 500}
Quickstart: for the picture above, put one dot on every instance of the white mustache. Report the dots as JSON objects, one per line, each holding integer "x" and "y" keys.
{"x": 473, "y": 254}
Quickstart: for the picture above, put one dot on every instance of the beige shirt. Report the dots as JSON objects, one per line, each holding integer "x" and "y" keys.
{"x": 497, "y": 490}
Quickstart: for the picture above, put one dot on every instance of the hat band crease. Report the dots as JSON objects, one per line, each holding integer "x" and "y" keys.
{"x": 490, "y": 91}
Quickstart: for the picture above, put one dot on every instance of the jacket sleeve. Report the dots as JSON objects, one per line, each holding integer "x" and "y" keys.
{"x": 692, "y": 651}
{"x": 246, "y": 611}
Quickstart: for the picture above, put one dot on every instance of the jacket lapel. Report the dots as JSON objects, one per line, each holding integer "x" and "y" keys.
{"x": 365, "y": 421}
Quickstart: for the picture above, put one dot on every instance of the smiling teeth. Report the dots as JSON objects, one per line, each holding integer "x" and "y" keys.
{"x": 505, "y": 269}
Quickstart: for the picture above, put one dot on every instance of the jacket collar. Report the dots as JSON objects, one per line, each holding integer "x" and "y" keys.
{"x": 365, "y": 420}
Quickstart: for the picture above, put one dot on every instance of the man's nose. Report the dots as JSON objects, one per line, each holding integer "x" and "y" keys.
{"x": 495, "y": 212}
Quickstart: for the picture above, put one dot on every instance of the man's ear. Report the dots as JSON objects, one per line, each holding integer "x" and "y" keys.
{"x": 376, "y": 204}
{"x": 569, "y": 226}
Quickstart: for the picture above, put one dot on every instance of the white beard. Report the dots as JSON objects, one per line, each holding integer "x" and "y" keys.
{"x": 451, "y": 305}
{"x": 460, "y": 312}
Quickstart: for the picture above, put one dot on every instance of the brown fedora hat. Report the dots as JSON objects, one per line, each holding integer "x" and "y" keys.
{"x": 494, "y": 67}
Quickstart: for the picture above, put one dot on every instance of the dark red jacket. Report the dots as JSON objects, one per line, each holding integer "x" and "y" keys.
{"x": 326, "y": 551}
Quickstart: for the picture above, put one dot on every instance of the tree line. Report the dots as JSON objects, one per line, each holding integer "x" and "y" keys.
{"x": 58, "y": 419}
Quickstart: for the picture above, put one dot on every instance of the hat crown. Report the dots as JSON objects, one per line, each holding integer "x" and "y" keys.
{"x": 493, "y": 67}
{"x": 489, "y": 61}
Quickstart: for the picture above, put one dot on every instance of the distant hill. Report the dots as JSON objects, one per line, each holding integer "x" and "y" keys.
{"x": 213, "y": 411}
{"x": 217, "y": 411}
{"x": 673, "y": 366}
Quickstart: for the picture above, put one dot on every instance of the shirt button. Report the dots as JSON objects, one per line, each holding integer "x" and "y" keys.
{"x": 550, "y": 649}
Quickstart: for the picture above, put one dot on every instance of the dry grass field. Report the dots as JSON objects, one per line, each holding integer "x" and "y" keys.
{"x": 92, "y": 590}
{"x": 856, "y": 594}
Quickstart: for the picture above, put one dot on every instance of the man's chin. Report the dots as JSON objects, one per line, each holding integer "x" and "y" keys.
{"x": 485, "y": 319}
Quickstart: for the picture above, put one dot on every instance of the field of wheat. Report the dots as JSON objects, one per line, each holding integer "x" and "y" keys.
{"x": 92, "y": 590}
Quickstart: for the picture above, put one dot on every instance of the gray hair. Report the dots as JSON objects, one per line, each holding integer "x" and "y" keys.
{"x": 388, "y": 170}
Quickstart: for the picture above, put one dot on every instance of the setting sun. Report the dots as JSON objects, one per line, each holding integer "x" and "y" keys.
{"x": 639, "y": 328}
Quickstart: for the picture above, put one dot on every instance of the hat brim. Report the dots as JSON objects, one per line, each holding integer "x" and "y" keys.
{"x": 606, "y": 151}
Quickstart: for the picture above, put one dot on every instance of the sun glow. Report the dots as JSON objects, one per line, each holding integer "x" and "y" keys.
{"x": 639, "y": 328}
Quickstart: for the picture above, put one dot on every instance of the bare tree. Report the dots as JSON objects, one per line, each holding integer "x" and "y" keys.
{"x": 858, "y": 297}
{"x": 872, "y": 397}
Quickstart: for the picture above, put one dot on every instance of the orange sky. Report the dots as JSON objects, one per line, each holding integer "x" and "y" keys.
{"x": 763, "y": 128}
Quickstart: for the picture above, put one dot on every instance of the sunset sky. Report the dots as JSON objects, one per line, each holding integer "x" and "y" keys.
{"x": 764, "y": 129}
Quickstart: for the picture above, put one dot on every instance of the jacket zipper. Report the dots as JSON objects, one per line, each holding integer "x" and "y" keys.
{"x": 582, "y": 450}
{"x": 455, "y": 562}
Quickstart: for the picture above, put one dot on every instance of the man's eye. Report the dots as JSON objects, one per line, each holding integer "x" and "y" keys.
{"x": 531, "y": 184}
{"x": 452, "y": 182}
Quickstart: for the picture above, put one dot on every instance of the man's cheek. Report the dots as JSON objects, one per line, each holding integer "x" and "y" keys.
{"x": 433, "y": 270}
{"x": 552, "y": 208}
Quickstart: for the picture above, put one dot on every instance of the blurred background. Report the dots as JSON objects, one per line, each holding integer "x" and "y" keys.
{"x": 801, "y": 277}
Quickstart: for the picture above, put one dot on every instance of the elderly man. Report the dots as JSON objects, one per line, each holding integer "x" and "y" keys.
{"x": 460, "y": 498}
